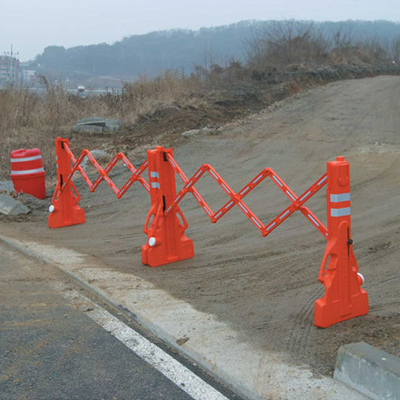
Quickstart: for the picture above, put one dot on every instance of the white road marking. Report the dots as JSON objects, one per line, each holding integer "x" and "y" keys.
{"x": 152, "y": 354}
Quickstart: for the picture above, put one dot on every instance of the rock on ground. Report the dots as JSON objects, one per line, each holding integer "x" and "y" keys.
{"x": 10, "y": 206}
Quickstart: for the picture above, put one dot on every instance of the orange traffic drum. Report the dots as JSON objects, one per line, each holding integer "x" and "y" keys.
{"x": 27, "y": 172}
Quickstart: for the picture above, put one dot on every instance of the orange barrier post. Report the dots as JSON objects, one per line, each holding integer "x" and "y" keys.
{"x": 166, "y": 239}
{"x": 64, "y": 209}
{"x": 344, "y": 298}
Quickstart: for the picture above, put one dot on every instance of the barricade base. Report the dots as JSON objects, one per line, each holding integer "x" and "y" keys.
{"x": 67, "y": 213}
{"x": 56, "y": 219}
{"x": 157, "y": 256}
{"x": 327, "y": 313}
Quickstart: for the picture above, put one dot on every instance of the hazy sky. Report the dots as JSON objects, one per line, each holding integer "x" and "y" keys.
{"x": 31, "y": 25}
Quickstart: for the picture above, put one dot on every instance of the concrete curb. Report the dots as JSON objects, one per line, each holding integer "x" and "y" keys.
{"x": 215, "y": 347}
{"x": 145, "y": 323}
{"x": 368, "y": 370}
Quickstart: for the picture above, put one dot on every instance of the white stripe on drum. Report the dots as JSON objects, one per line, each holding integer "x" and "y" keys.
{"x": 23, "y": 159}
{"x": 28, "y": 171}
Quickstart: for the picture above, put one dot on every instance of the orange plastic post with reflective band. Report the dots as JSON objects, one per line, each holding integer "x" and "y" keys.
{"x": 344, "y": 298}
{"x": 166, "y": 239}
{"x": 64, "y": 210}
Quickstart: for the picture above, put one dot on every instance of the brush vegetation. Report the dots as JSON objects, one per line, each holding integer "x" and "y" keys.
{"x": 32, "y": 120}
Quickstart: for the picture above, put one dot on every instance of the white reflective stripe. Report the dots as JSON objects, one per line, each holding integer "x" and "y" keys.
{"x": 256, "y": 222}
{"x": 212, "y": 172}
{"x": 228, "y": 205}
{"x": 337, "y": 198}
{"x": 23, "y": 159}
{"x": 218, "y": 214}
{"x": 28, "y": 171}
{"x": 271, "y": 226}
{"x": 305, "y": 195}
{"x": 155, "y": 185}
{"x": 242, "y": 207}
{"x": 244, "y": 191}
{"x": 225, "y": 188}
{"x": 284, "y": 215}
{"x": 340, "y": 212}
{"x": 256, "y": 180}
{"x": 322, "y": 181}
{"x": 197, "y": 197}
{"x": 313, "y": 220}
{"x": 287, "y": 191}
{"x": 277, "y": 181}
{"x": 154, "y": 174}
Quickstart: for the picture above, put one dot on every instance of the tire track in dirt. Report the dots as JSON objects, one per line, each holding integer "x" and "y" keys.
{"x": 303, "y": 323}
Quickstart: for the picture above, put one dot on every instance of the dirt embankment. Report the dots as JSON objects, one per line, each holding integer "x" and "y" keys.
{"x": 265, "y": 288}
{"x": 226, "y": 103}
{"x": 230, "y": 97}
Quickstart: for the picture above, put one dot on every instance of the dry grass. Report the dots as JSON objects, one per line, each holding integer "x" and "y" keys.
{"x": 29, "y": 120}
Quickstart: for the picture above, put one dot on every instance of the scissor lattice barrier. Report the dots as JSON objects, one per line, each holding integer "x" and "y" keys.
{"x": 104, "y": 172}
{"x": 344, "y": 298}
{"x": 236, "y": 198}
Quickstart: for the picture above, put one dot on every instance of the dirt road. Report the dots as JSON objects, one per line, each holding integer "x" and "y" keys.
{"x": 265, "y": 288}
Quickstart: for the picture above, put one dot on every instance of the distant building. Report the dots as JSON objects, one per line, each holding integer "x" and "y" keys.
{"x": 28, "y": 77}
{"x": 9, "y": 70}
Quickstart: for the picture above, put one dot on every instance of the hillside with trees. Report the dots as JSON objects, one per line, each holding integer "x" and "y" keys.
{"x": 182, "y": 50}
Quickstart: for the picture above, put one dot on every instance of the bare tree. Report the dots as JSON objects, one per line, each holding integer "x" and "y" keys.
{"x": 288, "y": 42}
{"x": 394, "y": 50}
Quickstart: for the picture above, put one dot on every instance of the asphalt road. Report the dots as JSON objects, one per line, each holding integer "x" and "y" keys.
{"x": 49, "y": 348}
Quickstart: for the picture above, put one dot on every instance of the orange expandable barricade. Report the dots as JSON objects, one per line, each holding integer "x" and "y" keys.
{"x": 165, "y": 224}
{"x": 344, "y": 298}
{"x": 167, "y": 241}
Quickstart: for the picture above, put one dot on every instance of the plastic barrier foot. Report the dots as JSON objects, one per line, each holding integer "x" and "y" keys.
{"x": 344, "y": 298}
{"x": 166, "y": 239}
{"x": 65, "y": 210}
{"x": 166, "y": 242}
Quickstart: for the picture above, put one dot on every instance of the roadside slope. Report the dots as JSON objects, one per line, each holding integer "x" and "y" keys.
{"x": 265, "y": 288}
